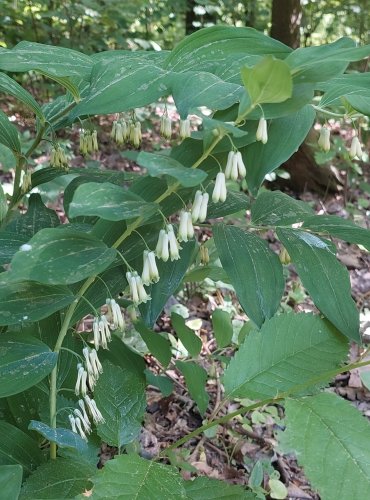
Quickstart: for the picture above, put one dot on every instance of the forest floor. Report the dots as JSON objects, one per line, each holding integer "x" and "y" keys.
{"x": 231, "y": 450}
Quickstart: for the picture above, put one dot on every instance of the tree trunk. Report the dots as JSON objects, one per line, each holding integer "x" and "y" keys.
{"x": 285, "y": 21}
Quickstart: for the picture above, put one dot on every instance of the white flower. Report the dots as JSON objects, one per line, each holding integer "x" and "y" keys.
{"x": 161, "y": 249}
{"x": 93, "y": 409}
{"x": 115, "y": 315}
{"x": 203, "y": 207}
{"x": 261, "y": 134}
{"x": 95, "y": 145}
{"x": 95, "y": 363}
{"x": 81, "y": 383}
{"x": 82, "y": 406}
{"x": 185, "y": 130}
{"x": 145, "y": 275}
{"x": 241, "y": 167}
{"x": 195, "y": 211}
{"x": 72, "y": 421}
{"x": 174, "y": 246}
{"x": 356, "y": 149}
{"x": 133, "y": 287}
{"x": 234, "y": 168}
{"x": 324, "y": 139}
{"x": 219, "y": 191}
{"x": 79, "y": 428}
{"x": 135, "y": 134}
{"x": 85, "y": 422}
{"x": 86, "y": 353}
{"x": 153, "y": 270}
{"x": 166, "y": 126}
{"x": 229, "y": 164}
{"x": 190, "y": 227}
{"x": 183, "y": 226}
{"x": 143, "y": 296}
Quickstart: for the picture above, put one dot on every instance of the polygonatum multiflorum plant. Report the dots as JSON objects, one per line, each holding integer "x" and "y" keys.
{"x": 69, "y": 379}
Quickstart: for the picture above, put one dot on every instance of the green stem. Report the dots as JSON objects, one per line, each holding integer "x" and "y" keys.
{"x": 279, "y": 397}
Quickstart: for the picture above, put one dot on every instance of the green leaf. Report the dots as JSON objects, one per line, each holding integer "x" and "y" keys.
{"x": 340, "y": 228}
{"x": 57, "y": 61}
{"x": 120, "y": 396}
{"x": 222, "y": 328}
{"x": 172, "y": 274}
{"x": 9, "y": 134}
{"x": 58, "y": 479}
{"x": 11, "y": 87}
{"x": 16, "y": 447}
{"x": 269, "y": 81}
{"x": 326, "y": 280}
{"x": 262, "y": 159}
{"x": 350, "y": 85}
{"x": 128, "y": 477}
{"x": 121, "y": 355}
{"x": 188, "y": 337}
{"x": 277, "y": 489}
{"x": 253, "y": 269}
{"x": 109, "y": 202}
{"x": 164, "y": 384}
{"x": 61, "y": 256}
{"x": 274, "y": 208}
{"x": 235, "y": 202}
{"x": 204, "y": 488}
{"x": 24, "y": 407}
{"x": 65, "y": 82}
{"x": 123, "y": 83}
{"x": 289, "y": 351}
{"x": 193, "y": 89}
{"x": 200, "y": 273}
{"x": 212, "y": 47}
{"x": 64, "y": 438}
{"x": 10, "y": 481}
{"x": 24, "y": 361}
{"x": 3, "y": 204}
{"x": 158, "y": 164}
{"x": 330, "y": 438}
{"x": 30, "y": 301}
{"x": 196, "y": 379}
{"x": 159, "y": 346}
{"x": 9, "y": 244}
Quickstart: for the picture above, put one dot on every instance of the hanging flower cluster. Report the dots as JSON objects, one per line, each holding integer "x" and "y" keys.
{"x": 123, "y": 131}
{"x": 58, "y": 158}
{"x": 167, "y": 245}
{"x": 185, "y": 128}
{"x": 186, "y": 229}
{"x": 165, "y": 126}
{"x": 150, "y": 272}
{"x": 88, "y": 142}
{"x": 137, "y": 291}
{"x": 235, "y": 167}
{"x": 199, "y": 208}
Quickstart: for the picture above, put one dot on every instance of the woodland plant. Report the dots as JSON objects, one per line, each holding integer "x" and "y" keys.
{"x": 131, "y": 241}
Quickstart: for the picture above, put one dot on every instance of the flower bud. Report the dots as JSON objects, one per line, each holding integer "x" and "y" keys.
{"x": 174, "y": 246}
{"x": 195, "y": 211}
{"x": 241, "y": 167}
{"x": 356, "y": 149}
{"x": 203, "y": 207}
{"x": 158, "y": 248}
{"x": 219, "y": 191}
{"x": 324, "y": 139}
{"x": 261, "y": 134}
{"x": 183, "y": 226}
{"x": 234, "y": 168}
{"x": 229, "y": 165}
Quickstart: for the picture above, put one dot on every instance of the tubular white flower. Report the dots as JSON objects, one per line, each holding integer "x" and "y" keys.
{"x": 166, "y": 127}
{"x": 145, "y": 275}
{"x": 190, "y": 227}
{"x": 133, "y": 287}
{"x": 165, "y": 254}
{"x": 115, "y": 315}
{"x": 86, "y": 353}
{"x": 114, "y": 129}
{"x": 95, "y": 145}
{"x": 183, "y": 226}
{"x": 174, "y": 246}
{"x": 356, "y": 149}
{"x": 241, "y": 167}
{"x": 81, "y": 383}
{"x": 234, "y": 168}
{"x": 95, "y": 363}
{"x": 153, "y": 270}
{"x": 185, "y": 130}
{"x": 219, "y": 191}
{"x": 261, "y": 134}
{"x": 143, "y": 296}
{"x": 72, "y": 421}
{"x": 324, "y": 139}
{"x": 96, "y": 333}
{"x": 158, "y": 248}
{"x": 93, "y": 409}
{"x": 195, "y": 211}
{"x": 79, "y": 428}
{"x": 82, "y": 406}
{"x": 85, "y": 422}
{"x": 203, "y": 208}
{"x": 229, "y": 164}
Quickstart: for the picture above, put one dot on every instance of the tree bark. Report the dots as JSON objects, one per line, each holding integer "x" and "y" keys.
{"x": 285, "y": 21}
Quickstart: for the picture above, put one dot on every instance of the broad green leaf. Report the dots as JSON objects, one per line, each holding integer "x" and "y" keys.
{"x": 129, "y": 477}
{"x": 65, "y": 82}
{"x": 346, "y": 86}
{"x": 11, "y": 87}
{"x": 188, "y": 337}
{"x": 204, "y": 488}
{"x": 30, "y": 301}
{"x": 121, "y": 355}
{"x": 16, "y": 447}
{"x": 9, "y": 134}
{"x": 64, "y": 438}
{"x": 330, "y": 438}
{"x": 269, "y": 81}
{"x": 262, "y": 159}
{"x": 109, "y": 202}
{"x": 222, "y": 327}
{"x": 200, "y": 273}
{"x": 159, "y": 346}
{"x": 58, "y": 479}
{"x": 212, "y": 47}
{"x": 60, "y": 256}
{"x": 24, "y": 407}
{"x": 120, "y": 396}
{"x": 253, "y": 269}
{"x": 10, "y": 481}
{"x": 7, "y": 158}
{"x": 196, "y": 379}
{"x": 57, "y": 61}
{"x": 235, "y": 202}
{"x": 321, "y": 63}
{"x": 164, "y": 384}
{"x": 193, "y": 89}
{"x": 171, "y": 276}
{"x": 24, "y": 361}
{"x": 326, "y": 279}
{"x": 10, "y": 243}
{"x": 340, "y": 228}
{"x": 158, "y": 164}
{"x": 290, "y": 350}
{"x": 122, "y": 84}
{"x": 274, "y": 208}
